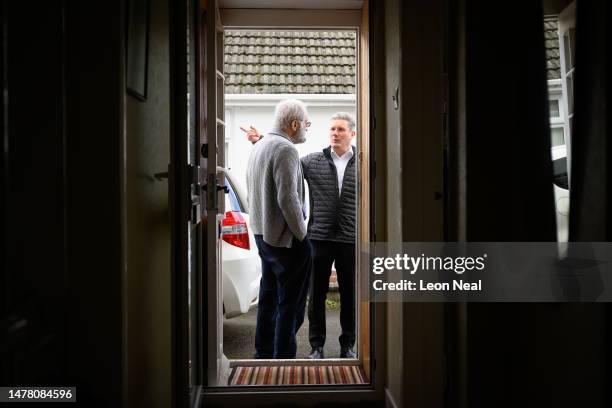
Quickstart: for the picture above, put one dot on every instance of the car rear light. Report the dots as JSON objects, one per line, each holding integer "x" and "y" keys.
{"x": 234, "y": 230}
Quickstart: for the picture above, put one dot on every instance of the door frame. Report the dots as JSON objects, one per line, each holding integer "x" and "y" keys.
{"x": 186, "y": 332}
{"x": 357, "y": 20}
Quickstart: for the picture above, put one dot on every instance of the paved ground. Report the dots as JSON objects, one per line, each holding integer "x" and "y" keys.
{"x": 239, "y": 333}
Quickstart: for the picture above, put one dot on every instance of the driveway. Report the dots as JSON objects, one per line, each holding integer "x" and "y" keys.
{"x": 239, "y": 333}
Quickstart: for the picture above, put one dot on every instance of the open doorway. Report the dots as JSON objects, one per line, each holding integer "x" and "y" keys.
{"x": 258, "y": 76}
{"x": 262, "y": 68}
{"x": 559, "y": 31}
{"x": 334, "y": 84}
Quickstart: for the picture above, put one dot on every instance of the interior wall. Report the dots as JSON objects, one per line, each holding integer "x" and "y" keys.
{"x": 33, "y": 289}
{"x": 545, "y": 353}
{"x": 147, "y": 291}
{"x": 62, "y": 126}
{"x": 422, "y": 119}
{"x": 390, "y": 115}
{"x": 413, "y": 108}
{"x": 94, "y": 95}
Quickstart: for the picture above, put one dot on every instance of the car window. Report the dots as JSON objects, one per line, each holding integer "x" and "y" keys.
{"x": 560, "y": 173}
{"x": 231, "y": 201}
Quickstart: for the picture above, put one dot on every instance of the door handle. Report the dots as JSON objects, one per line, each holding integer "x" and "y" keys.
{"x": 219, "y": 188}
{"x": 161, "y": 176}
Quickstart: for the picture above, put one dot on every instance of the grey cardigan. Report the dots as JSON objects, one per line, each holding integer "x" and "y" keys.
{"x": 276, "y": 190}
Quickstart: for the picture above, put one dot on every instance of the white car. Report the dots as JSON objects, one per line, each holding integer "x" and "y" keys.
{"x": 241, "y": 265}
{"x": 561, "y": 191}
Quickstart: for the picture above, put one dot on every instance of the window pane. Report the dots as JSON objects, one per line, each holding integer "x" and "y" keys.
{"x": 553, "y": 105}
{"x": 572, "y": 47}
{"x": 569, "y": 47}
{"x": 566, "y": 49}
{"x": 557, "y": 137}
{"x": 231, "y": 199}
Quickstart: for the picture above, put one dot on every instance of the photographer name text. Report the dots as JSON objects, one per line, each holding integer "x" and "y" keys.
{"x": 421, "y": 285}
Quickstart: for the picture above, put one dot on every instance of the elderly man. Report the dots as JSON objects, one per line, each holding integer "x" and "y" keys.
{"x": 331, "y": 177}
{"x": 276, "y": 197}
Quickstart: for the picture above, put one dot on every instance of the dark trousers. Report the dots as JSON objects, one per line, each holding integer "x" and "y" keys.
{"x": 324, "y": 254}
{"x": 285, "y": 273}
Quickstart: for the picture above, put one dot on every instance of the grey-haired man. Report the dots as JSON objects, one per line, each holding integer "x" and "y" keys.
{"x": 331, "y": 177}
{"x": 276, "y": 196}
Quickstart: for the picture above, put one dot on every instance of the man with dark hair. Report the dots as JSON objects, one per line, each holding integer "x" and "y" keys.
{"x": 330, "y": 174}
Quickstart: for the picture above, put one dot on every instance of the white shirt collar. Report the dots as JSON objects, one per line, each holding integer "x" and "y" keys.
{"x": 347, "y": 155}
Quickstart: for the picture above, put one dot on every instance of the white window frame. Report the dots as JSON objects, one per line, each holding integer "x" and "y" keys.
{"x": 567, "y": 20}
{"x": 555, "y": 93}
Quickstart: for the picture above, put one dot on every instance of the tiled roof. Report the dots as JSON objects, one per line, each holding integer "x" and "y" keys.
{"x": 551, "y": 37}
{"x": 302, "y": 62}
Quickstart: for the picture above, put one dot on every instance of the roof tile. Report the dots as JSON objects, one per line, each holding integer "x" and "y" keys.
{"x": 551, "y": 43}
{"x": 290, "y": 61}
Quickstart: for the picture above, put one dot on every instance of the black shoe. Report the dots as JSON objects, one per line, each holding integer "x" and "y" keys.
{"x": 316, "y": 353}
{"x": 347, "y": 352}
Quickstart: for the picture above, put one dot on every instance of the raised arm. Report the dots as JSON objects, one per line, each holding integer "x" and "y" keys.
{"x": 252, "y": 134}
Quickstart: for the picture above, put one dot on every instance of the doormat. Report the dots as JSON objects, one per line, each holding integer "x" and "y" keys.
{"x": 295, "y": 375}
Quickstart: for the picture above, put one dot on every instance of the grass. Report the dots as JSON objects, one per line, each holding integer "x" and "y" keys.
{"x": 332, "y": 301}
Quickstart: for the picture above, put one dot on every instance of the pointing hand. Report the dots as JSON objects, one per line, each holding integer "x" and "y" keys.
{"x": 252, "y": 134}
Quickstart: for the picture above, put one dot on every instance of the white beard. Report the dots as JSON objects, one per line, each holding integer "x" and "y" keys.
{"x": 300, "y": 136}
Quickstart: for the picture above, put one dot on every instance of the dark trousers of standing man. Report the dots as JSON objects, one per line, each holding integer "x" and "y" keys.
{"x": 324, "y": 255}
{"x": 285, "y": 273}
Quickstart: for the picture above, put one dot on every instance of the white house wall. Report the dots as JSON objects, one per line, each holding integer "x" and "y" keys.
{"x": 258, "y": 111}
